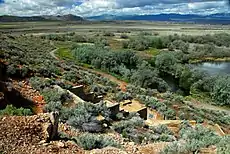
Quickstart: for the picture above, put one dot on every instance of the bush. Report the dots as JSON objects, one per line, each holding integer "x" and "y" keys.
{"x": 85, "y": 114}
{"x": 124, "y": 36}
{"x": 53, "y": 106}
{"x": 70, "y": 76}
{"x": 109, "y": 34}
{"x": 10, "y": 110}
{"x": 159, "y": 106}
{"x": 11, "y": 69}
{"x": 175, "y": 147}
{"x": 91, "y": 141}
{"x": 165, "y": 62}
{"x": 223, "y": 147}
{"x": 131, "y": 123}
{"x": 54, "y": 95}
{"x": 39, "y": 83}
{"x": 121, "y": 96}
{"x": 51, "y": 95}
{"x": 198, "y": 137}
{"x": 221, "y": 91}
{"x": 193, "y": 139}
{"x": 162, "y": 129}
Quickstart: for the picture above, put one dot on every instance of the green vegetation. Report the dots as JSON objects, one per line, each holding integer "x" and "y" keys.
{"x": 223, "y": 146}
{"x": 64, "y": 53}
{"x": 84, "y": 117}
{"x": 134, "y": 129}
{"x": 221, "y": 91}
{"x": 10, "y": 110}
{"x": 192, "y": 140}
{"x": 146, "y": 61}
{"x": 91, "y": 141}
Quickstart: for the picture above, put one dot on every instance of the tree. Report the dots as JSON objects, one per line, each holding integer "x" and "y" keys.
{"x": 165, "y": 62}
{"x": 221, "y": 91}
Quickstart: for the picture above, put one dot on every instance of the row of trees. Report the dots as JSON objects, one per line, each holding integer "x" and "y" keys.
{"x": 221, "y": 39}
{"x": 123, "y": 63}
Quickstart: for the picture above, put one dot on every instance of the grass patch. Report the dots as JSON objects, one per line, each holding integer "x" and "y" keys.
{"x": 64, "y": 53}
{"x": 153, "y": 51}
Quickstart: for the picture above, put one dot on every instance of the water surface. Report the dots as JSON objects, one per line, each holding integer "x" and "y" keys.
{"x": 214, "y": 68}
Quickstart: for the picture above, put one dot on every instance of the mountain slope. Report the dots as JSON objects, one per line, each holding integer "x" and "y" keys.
{"x": 68, "y": 17}
{"x": 210, "y": 19}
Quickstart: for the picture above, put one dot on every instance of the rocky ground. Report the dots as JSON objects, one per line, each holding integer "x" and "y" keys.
{"x": 28, "y": 92}
{"x": 31, "y": 134}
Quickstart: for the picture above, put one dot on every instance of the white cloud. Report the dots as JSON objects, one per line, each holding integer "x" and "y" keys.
{"x": 114, "y": 7}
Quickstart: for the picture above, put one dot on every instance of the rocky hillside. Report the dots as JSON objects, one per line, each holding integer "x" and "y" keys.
{"x": 32, "y": 134}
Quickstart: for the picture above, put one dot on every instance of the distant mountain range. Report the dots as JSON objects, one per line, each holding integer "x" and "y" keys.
{"x": 220, "y": 18}
{"x": 188, "y": 18}
{"x": 68, "y": 17}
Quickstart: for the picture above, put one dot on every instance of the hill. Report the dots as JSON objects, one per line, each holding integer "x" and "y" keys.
{"x": 68, "y": 17}
{"x": 188, "y": 18}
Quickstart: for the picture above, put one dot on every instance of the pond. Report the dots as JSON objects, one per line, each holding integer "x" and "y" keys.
{"x": 214, "y": 68}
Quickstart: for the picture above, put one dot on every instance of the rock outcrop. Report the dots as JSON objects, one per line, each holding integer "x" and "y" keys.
{"x": 33, "y": 134}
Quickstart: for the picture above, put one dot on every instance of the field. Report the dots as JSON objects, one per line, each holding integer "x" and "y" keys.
{"x": 163, "y": 28}
{"x": 122, "y": 84}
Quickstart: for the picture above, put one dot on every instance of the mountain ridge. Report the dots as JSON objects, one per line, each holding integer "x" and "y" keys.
{"x": 220, "y": 18}
{"x": 68, "y": 17}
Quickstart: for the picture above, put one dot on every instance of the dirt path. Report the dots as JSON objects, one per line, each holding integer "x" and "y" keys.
{"x": 200, "y": 105}
{"x": 121, "y": 84}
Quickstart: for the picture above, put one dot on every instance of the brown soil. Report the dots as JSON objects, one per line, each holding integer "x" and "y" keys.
{"x": 28, "y": 92}
{"x": 28, "y": 134}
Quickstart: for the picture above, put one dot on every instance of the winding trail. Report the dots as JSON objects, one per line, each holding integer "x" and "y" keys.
{"x": 198, "y": 104}
{"x": 121, "y": 83}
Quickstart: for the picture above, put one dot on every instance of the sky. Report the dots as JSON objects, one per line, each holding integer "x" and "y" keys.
{"x": 86, "y": 8}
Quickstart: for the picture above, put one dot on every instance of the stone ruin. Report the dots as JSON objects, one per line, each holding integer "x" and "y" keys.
{"x": 90, "y": 97}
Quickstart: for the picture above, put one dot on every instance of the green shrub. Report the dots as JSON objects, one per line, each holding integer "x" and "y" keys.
{"x": 223, "y": 147}
{"x": 175, "y": 147}
{"x": 121, "y": 96}
{"x": 91, "y": 141}
{"x": 39, "y": 83}
{"x": 53, "y": 106}
{"x": 70, "y": 76}
{"x": 131, "y": 123}
{"x": 198, "y": 137}
{"x": 54, "y": 95}
{"x": 162, "y": 129}
{"x": 84, "y": 117}
{"x": 221, "y": 91}
{"x": 51, "y": 95}
{"x": 108, "y": 34}
{"x": 10, "y": 110}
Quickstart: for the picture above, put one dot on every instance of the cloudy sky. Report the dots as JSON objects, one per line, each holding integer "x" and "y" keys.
{"x": 87, "y": 8}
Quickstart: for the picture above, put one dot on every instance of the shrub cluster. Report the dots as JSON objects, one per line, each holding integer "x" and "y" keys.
{"x": 161, "y": 107}
{"x": 92, "y": 141}
{"x": 192, "y": 140}
{"x": 10, "y": 110}
{"x": 84, "y": 117}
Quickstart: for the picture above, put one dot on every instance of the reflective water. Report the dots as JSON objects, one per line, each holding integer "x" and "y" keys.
{"x": 214, "y": 68}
